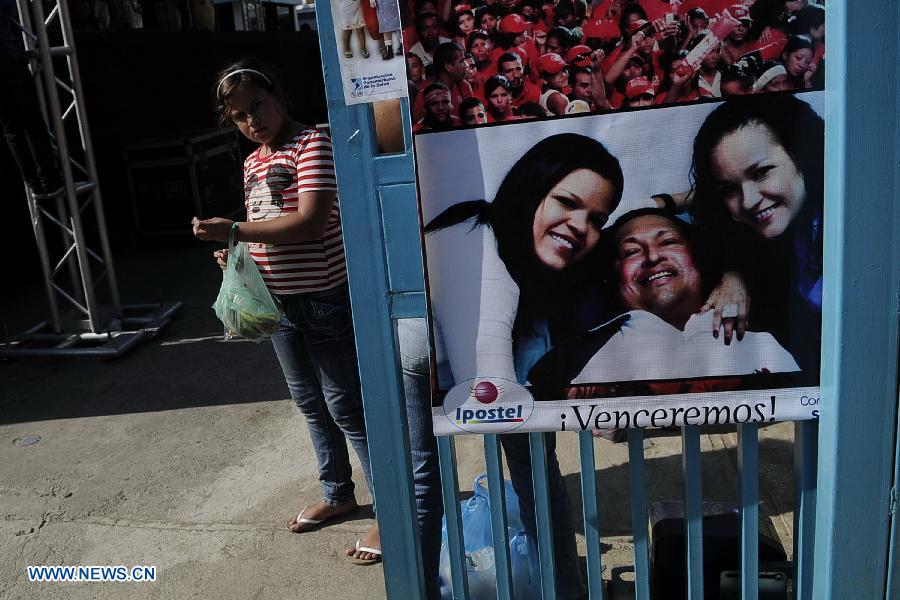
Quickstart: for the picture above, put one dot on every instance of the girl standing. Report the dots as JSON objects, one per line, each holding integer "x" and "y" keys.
{"x": 293, "y": 231}
{"x": 351, "y": 14}
{"x": 388, "y": 24}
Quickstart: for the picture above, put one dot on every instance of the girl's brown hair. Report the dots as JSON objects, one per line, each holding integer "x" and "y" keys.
{"x": 242, "y": 73}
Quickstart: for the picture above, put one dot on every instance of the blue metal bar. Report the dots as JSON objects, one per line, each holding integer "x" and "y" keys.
{"x": 639, "y": 514}
{"x": 806, "y": 440}
{"x": 693, "y": 510}
{"x": 538, "y": 447}
{"x": 748, "y": 465}
{"x": 860, "y": 309}
{"x": 389, "y": 169}
{"x": 353, "y": 136}
{"x": 497, "y": 495}
{"x": 403, "y": 305}
{"x": 453, "y": 516}
{"x": 591, "y": 513}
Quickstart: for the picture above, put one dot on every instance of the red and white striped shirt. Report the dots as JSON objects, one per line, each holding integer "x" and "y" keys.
{"x": 272, "y": 187}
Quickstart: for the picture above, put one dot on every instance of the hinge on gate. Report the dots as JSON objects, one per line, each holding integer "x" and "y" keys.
{"x": 893, "y": 506}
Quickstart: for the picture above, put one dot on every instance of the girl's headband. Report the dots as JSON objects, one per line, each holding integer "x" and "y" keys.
{"x": 236, "y": 71}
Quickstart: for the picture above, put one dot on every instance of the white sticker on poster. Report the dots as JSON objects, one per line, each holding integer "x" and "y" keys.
{"x": 368, "y": 34}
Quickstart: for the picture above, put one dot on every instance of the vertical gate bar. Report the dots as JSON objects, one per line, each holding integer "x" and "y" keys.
{"x": 693, "y": 510}
{"x": 538, "y": 445}
{"x": 806, "y": 434}
{"x": 639, "y": 514}
{"x": 893, "y": 576}
{"x": 353, "y": 136}
{"x": 591, "y": 513}
{"x": 748, "y": 465}
{"x": 860, "y": 304}
{"x": 497, "y": 494}
{"x": 453, "y": 516}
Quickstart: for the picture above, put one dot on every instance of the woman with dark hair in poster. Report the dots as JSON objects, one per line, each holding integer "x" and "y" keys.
{"x": 539, "y": 235}
{"x": 758, "y": 191}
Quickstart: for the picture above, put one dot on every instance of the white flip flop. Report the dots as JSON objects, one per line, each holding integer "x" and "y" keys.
{"x": 365, "y": 561}
{"x": 301, "y": 520}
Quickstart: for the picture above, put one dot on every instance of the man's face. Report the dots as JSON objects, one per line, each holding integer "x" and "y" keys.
{"x": 455, "y": 68}
{"x": 438, "y": 107}
{"x": 632, "y": 69}
{"x": 553, "y": 44}
{"x": 499, "y": 101}
{"x": 699, "y": 23}
{"x": 739, "y": 34}
{"x": 656, "y": 269}
{"x": 560, "y": 80}
{"x": 582, "y": 89}
{"x": 711, "y": 60}
{"x": 512, "y": 70}
{"x": 415, "y": 68}
{"x": 475, "y": 115}
{"x": 429, "y": 31}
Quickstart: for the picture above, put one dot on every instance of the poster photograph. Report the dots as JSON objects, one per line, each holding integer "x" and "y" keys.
{"x": 370, "y": 49}
{"x": 656, "y": 267}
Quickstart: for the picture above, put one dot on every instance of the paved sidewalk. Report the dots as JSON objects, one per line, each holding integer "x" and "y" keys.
{"x": 187, "y": 455}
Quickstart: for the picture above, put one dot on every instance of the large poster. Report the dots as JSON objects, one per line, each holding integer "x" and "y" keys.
{"x": 370, "y": 49}
{"x": 645, "y": 255}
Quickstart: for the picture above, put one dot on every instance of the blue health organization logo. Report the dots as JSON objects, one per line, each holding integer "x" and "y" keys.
{"x": 488, "y": 404}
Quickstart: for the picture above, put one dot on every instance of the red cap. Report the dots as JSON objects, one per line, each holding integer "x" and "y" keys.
{"x": 576, "y": 51}
{"x": 512, "y": 24}
{"x": 636, "y": 25}
{"x": 540, "y": 26}
{"x": 603, "y": 29}
{"x": 740, "y": 12}
{"x": 638, "y": 87}
{"x": 552, "y": 63}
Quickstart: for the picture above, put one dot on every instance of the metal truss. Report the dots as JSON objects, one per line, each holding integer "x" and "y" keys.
{"x": 85, "y": 328}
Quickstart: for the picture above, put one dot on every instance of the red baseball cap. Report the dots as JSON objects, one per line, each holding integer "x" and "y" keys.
{"x": 572, "y": 56}
{"x": 638, "y": 87}
{"x": 512, "y": 24}
{"x": 540, "y": 26}
{"x": 603, "y": 29}
{"x": 740, "y": 12}
{"x": 552, "y": 63}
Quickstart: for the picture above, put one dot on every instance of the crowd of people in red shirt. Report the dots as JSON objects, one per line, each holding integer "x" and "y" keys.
{"x": 483, "y": 61}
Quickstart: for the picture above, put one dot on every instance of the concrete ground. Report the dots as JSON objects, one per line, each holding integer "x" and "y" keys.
{"x": 187, "y": 455}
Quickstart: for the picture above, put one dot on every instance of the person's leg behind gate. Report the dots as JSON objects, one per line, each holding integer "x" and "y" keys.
{"x": 569, "y": 582}
{"x": 413, "y": 342}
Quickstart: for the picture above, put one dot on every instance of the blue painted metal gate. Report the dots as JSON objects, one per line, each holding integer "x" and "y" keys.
{"x": 846, "y": 466}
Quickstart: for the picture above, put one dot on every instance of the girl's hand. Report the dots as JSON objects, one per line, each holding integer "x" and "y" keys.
{"x": 221, "y": 257}
{"x": 215, "y": 229}
{"x": 731, "y": 304}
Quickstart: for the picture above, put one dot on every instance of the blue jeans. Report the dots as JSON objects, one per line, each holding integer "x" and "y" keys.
{"x": 518, "y": 460}
{"x": 318, "y": 356}
{"x": 413, "y": 341}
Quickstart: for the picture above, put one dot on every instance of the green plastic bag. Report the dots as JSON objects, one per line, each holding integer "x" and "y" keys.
{"x": 244, "y": 304}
